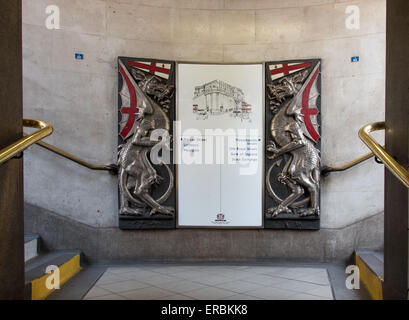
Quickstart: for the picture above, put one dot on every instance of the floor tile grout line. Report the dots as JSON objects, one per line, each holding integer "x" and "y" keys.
{"x": 330, "y": 280}
{"x": 303, "y": 280}
{"x": 111, "y": 293}
{"x": 221, "y": 288}
{"x": 117, "y": 282}
{"x": 98, "y": 286}
{"x": 304, "y": 292}
{"x": 284, "y": 279}
{"x": 179, "y": 294}
{"x": 206, "y": 286}
{"x": 153, "y": 285}
{"x": 245, "y": 292}
{"x": 293, "y": 290}
{"x": 272, "y": 286}
{"x": 161, "y": 274}
{"x": 242, "y": 294}
{"x": 170, "y": 291}
{"x": 142, "y": 288}
{"x": 315, "y": 272}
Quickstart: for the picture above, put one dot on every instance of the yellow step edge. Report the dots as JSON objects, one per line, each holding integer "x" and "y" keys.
{"x": 39, "y": 290}
{"x": 371, "y": 280}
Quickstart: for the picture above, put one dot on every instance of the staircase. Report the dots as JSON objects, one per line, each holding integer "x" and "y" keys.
{"x": 370, "y": 264}
{"x": 40, "y": 266}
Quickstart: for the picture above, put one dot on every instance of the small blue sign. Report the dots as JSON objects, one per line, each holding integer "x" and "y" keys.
{"x": 355, "y": 59}
{"x": 79, "y": 56}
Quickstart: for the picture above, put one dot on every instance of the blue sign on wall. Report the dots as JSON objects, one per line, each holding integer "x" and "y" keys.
{"x": 355, "y": 59}
{"x": 79, "y": 56}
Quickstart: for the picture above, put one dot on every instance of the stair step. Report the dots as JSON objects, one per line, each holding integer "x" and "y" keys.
{"x": 78, "y": 286}
{"x": 371, "y": 270}
{"x": 31, "y": 246}
{"x": 69, "y": 263}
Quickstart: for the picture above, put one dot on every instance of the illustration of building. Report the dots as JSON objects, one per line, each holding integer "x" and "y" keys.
{"x": 218, "y": 97}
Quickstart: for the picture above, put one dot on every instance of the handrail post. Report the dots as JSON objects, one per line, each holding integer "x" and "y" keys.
{"x": 398, "y": 171}
{"x": 45, "y": 129}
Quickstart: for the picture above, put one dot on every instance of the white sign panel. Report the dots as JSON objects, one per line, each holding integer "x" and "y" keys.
{"x": 220, "y": 145}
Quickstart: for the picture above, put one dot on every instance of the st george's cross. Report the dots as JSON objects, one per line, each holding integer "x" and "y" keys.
{"x": 157, "y": 68}
{"x": 309, "y": 93}
{"x": 284, "y": 69}
{"x": 131, "y": 105}
{"x": 309, "y": 108}
{"x": 129, "y": 108}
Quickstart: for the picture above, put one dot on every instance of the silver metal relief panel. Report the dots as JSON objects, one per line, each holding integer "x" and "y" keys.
{"x": 146, "y": 114}
{"x": 292, "y": 164}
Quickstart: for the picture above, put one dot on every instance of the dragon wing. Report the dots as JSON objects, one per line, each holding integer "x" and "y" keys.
{"x": 307, "y": 101}
{"x": 133, "y": 103}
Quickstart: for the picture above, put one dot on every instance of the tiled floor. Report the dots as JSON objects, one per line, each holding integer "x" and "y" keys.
{"x": 213, "y": 282}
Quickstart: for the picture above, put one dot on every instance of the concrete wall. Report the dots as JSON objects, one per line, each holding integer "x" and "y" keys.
{"x": 79, "y": 97}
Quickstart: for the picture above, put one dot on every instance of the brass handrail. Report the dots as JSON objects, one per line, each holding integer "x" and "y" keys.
{"x": 111, "y": 168}
{"x": 327, "y": 170}
{"x": 399, "y": 171}
{"x": 17, "y": 147}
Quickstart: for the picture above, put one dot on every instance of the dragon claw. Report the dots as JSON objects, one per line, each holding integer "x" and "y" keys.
{"x": 310, "y": 212}
{"x": 274, "y": 212}
{"x": 162, "y": 210}
{"x": 129, "y": 212}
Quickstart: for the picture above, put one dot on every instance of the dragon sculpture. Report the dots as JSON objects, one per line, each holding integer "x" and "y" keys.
{"x": 137, "y": 174}
{"x": 291, "y": 143}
